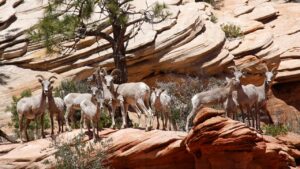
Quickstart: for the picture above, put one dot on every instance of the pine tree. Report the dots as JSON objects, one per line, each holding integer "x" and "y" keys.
{"x": 68, "y": 20}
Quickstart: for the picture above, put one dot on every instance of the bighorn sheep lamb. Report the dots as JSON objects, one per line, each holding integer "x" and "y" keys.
{"x": 56, "y": 108}
{"x": 72, "y": 102}
{"x": 33, "y": 107}
{"x": 246, "y": 96}
{"x": 207, "y": 98}
{"x": 136, "y": 94}
{"x": 161, "y": 105}
{"x": 231, "y": 104}
{"x": 262, "y": 94}
{"x": 112, "y": 100}
{"x": 90, "y": 110}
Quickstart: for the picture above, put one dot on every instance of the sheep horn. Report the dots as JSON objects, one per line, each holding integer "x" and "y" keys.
{"x": 266, "y": 67}
{"x": 274, "y": 68}
{"x": 233, "y": 67}
{"x": 112, "y": 73}
{"x": 40, "y": 76}
{"x": 52, "y": 77}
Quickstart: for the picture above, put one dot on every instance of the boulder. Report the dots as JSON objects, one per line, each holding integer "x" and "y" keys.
{"x": 218, "y": 142}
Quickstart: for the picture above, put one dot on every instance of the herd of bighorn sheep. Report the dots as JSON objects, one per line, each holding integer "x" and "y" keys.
{"x": 105, "y": 94}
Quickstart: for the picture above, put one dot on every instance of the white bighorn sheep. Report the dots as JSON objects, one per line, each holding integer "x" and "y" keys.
{"x": 111, "y": 99}
{"x": 161, "y": 105}
{"x": 136, "y": 94}
{"x": 262, "y": 91}
{"x": 90, "y": 111}
{"x": 246, "y": 96}
{"x": 207, "y": 98}
{"x": 31, "y": 108}
{"x": 56, "y": 108}
{"x": 72, "y": 102}
{"x": 231, "y": 104}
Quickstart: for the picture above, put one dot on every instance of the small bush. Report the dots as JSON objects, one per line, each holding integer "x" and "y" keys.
{"x": 275, "y": 130}
{"x": 80, "y": 155}
{"x": 231, "y": 30}
{"x": 181, "y": 94}
{"x": 215, "y": 3}
{"x": 15, "y": 116}
{"x": 69, "y": 86}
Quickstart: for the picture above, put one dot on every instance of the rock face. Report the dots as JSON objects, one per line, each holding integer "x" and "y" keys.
{"x": 218, "y": 142}
{"x": 214, "y": 142}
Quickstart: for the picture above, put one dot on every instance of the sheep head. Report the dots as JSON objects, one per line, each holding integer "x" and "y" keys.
{"x": 46, "y": 83}
{"x": 269, "y": 74}
{"x": 237, "y": 73}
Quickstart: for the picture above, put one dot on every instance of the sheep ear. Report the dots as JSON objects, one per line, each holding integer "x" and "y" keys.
{"x": 51, "y": 81}
{"x": 40, "y": 80}
{"x": 227, "y": 79}
{"x": 152, "y": 88}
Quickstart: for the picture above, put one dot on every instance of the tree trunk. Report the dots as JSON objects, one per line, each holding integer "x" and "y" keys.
{"x": 119, "y": 52}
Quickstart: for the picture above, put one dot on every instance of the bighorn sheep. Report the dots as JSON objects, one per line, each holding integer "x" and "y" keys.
{"x": 33, "y": 107}
{"x": 161, "y": 105}
{"x": 262, "y": 94}
{"x": 246, "y": 96}
{"x": 72, "y": 102}
{"x": 136, "y": 94}
{"x": 231, "y": 104}
{"x": 90, "y": 110}
{"x": 112, "y": 100}
{"x": 56, "y": 108}
{"x": 207, "y": 98}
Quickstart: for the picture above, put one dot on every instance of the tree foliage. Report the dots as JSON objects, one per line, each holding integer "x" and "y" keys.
{"x": 70, "y": 21}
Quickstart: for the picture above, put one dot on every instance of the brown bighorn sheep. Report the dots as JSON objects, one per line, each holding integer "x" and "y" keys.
{"x": 90, "y": 110}
{"x": 56, "y": 108}
{"x": 112, "y": 100}
{"x": 246, "y": 96}
{"x": 34, "y": 107}
{"x": 207, "y": 98}
{"x": 72, "y": 102}
{"x": 136, "y": 94}
{"x": 262, "y": 91}
{"x": 231, "y": 105}
{"x": 161, "y": 105}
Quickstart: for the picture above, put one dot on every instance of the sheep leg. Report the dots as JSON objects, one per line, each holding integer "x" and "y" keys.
{"x": 169, "y": 120}
{"x": 148, "y": 114}
{"x": 138, "y": 111}
{"x": 157, "y": 119}
{"x": 36, "y": 128}
{"x": 192, "y": 113}
{"x": 25, "y": 128}
{"x": 243, "y": 114}
{"x": 21, "y": 126}
{"x": 113, "y": 123}
{"x": 52, "y": 124}
{"x": 94, "y": 131}
{"x": 67, "y": 116}
{"x": 81, "y": 122}
{"x": 42, "y": 125}
{"x": 124, "y": 119}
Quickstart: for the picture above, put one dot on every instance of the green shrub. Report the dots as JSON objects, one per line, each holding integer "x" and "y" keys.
{"x": 275, "y": 130}
{"x": 15, "y": 117}
{"x": 181, "y": 94}
{"x": 69, "y": 86}
{"x": 80, "y": 155}
{"x": 232, "y": 31}
{"x": 215, "y": 3}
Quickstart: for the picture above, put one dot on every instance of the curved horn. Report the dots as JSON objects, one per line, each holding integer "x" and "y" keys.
{"x": 274, "y": 68}
{"x": 266, "y": 67}
{"x": 112, "y": 73}
{"x": 40, "y": 76}
{"x": 52, "y": 77}
{"x": 103, "y": 70}
{"x": 233, "y": 67}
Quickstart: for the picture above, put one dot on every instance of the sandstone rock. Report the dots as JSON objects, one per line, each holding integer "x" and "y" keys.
{"x": 7, "y": 13}
{"x": 242, "y": 10}
{"x": 218, "y": 142}
{"x": 253, "y": 41}
{"x": 261, "y": 12}
{"x": 15, "y": 51}
{"x": 246, "y": 25}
